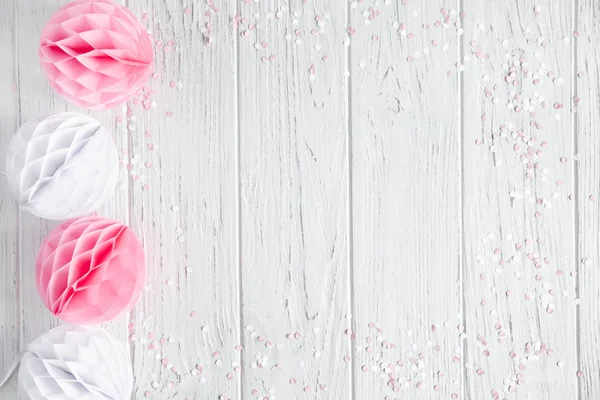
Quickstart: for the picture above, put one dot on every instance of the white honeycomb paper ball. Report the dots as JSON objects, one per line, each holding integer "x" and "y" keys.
{"x": 76, "y": 363}
{"x": 62, "y": 165}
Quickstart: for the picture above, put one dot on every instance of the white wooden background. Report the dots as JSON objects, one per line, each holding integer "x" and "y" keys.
{"x": 348, "y": 197}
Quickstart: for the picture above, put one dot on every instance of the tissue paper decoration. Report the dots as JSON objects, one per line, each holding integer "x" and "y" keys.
{"x": 62, "y": 165}
{"x": 90, "y": 270}
{"x": 76, "y": 363}
{"x": 96, "y": 53}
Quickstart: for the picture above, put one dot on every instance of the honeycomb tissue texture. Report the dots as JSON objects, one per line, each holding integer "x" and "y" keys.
{"x": 90, "y": 270}
{"x": 62, "y": 165}
{"x": 96, "y": 53}
{"x": 76, "y": 363}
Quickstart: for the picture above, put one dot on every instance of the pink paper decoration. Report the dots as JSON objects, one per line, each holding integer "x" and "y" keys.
{"x": 96, "y": 53}
{"x": 90, "y": 270}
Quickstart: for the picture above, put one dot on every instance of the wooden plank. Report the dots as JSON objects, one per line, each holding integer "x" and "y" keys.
{"x": 294, "y": 212}
{"x": 406, "y": 200}
{"x": 186, "y": 215}
{"x": 10, "y": 340}
{"x": 36, "y": 98}
{"x": 518, "y": 219}
{"x": 588, "y": 190}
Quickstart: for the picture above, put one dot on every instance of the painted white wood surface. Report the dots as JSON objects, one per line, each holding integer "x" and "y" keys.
{"x": 329, "y": 170}
{"x": 294, "y": 211}
{"x": 502, "y": 188}
{"x": 187, "y": 216}
{"x": 406, "y": 201}
{"x": 587, "y": 145}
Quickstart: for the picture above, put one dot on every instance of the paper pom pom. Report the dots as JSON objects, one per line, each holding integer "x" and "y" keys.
{"x": 96, "y": 53}
{"x": 76, "y": 363}
{"x": 62, "y": 166}
{"x": 90, "y": 270}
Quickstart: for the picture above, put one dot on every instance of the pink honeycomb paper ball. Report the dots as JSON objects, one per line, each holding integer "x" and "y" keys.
{"x": 96, "y": 53}
{"x": 90, "y": 270}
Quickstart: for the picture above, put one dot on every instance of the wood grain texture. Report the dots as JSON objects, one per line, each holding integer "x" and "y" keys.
{"x": 294, "y": 213}
{"x": 588, "y": 180}
{"x": 518, "y": 218}
{"x": 406, "y": 201}
{"x": 187, "y": 217}
{"x": 10, "y": 323}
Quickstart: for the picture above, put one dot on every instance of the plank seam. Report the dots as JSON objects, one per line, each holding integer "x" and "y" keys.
{"x": 575, "y": 178}
{"x": 19, "y": 256}
{"x": 349, "y": 205}
{"x": 461, "y": 267}
{"x": 238, "y": 199}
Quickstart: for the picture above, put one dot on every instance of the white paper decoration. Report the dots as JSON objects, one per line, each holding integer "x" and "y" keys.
{"x": 62, "y": 166}
{"x": 76, "y": 363}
